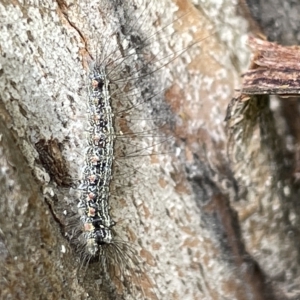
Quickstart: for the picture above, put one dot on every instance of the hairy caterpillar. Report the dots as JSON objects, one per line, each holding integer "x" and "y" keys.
{"x": 129, "y": 92}
{"x": 110, "y": 114}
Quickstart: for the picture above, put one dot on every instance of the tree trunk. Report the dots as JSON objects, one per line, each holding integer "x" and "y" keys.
{"x": 174, "y": 193}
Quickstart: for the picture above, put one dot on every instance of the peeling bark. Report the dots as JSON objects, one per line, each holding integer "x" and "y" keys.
{"x": 263, "y": 165}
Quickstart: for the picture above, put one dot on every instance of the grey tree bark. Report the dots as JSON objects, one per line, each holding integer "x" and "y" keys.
{"x": 180, "y": 204}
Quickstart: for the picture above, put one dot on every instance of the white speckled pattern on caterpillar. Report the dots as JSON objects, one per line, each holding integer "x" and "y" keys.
{"x": 97, "y": 172}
